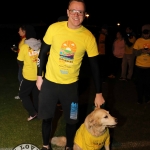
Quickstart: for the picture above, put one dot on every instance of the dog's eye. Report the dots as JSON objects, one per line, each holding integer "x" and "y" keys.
{"x": 106, "y": 117}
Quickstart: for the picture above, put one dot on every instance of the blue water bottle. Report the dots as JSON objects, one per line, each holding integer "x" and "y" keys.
{"x": 74, "y": 111}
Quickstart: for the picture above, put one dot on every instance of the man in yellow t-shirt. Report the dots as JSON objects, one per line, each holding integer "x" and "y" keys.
{"x": 142, "y": 51}
{"x": 128, "y": 58}
{"x": 67, "y": 42}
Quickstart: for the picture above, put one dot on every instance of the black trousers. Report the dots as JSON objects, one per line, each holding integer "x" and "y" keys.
{"x": 143, "y": 83}
{"x": 29, "y": 93}
{"x": 116, "y": 65}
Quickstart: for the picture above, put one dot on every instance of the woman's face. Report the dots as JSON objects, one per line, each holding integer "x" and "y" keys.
{"x": 21, "y": 32}
{"x": 118, "y": 35}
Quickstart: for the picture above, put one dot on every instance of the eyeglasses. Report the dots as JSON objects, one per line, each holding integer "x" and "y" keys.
{"x": 79, "y": 12}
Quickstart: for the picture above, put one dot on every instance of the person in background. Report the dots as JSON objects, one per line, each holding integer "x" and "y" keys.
{"x": 128, "y": 58}
{"x": 118, "y": 49}
{"x": 105, "y": 51}
{"x": 67, "y": 41}
{"x": 27, "y": 59}
{"x": 16, "y": 49}
{"x": 141, "y": 50}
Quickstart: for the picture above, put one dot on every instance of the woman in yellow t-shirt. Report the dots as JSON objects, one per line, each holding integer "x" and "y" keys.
{"x": 142, "y": 51}
{"x": 27, "y": 58}
{"x": 22, "y": 34}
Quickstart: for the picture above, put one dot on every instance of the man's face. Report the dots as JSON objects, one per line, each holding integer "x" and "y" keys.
{"x": 76, "y": 14}
{"x": 128, "y": 30}
{"x": 104, "y": 31}
{"x": 146, "y": 36}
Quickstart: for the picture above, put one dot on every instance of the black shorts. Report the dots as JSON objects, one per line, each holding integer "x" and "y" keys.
{"x": 49, "y": 95}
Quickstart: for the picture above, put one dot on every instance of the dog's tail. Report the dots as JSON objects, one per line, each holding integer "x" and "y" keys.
{"x": 59, "y": 141}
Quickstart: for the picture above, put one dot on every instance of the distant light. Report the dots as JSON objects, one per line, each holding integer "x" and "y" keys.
{"x": 118, "y": 24}
{"x": 87, "y": 15}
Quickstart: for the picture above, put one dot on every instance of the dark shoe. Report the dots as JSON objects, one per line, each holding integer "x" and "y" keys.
{"x": 68, "y": 148}
{"x": 128, "y": 79}
{"x": 122, "y": 79}
{"x": 139, "y": 103}
{"x": 147, "y": 102}
{"x": 111, "y": 76}
{"x": 44, "y": 148}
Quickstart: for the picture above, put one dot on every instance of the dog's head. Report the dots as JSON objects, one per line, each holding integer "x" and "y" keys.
{"x": 98, "y": 120}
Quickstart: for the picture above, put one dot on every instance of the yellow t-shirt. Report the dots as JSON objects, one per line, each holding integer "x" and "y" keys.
{"x": 29, "y": 57}
{"x": 68, "y": 47}
{"x": 144, "y": 59}
{"x": 88, "y": 142}
{"x": 21, "y": 42}
{"x": 129, "y": 50}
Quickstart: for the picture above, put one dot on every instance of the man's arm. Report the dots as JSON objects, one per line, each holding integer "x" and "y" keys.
{"x": 140, "y": 51}
{"x": 94, "y": 62}
{"x": 137, "y": 52}
{"x": 42, "y": 59}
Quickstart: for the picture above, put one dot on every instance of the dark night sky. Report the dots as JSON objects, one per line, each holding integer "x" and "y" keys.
{"x": 106, "y": 11}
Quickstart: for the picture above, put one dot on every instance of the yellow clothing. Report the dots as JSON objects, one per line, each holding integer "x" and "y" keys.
{"x": 144, "y": 59}
{"x": 21, "y": 43}
{"x": 88, "y": 142}
{"x": 129, "y": 50}
{"x": 101, "y": 44}
{"x": 29, "y": 57}
{"x": 66, "y": 52}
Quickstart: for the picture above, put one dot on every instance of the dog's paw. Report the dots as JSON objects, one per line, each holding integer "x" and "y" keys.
{"x": 59, "y": 141}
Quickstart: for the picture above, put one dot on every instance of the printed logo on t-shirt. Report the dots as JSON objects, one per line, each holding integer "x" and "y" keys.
{"x": 33, "y": 55}
{"x": 67, "y": 52}
{"x": 146, "y": 46}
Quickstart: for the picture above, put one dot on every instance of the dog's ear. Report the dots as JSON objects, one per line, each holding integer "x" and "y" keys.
{"x": 92, "y": 121}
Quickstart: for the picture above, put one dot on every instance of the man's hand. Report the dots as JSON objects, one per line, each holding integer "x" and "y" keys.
{"x": 39, "y": 82}
{"x": 99, "y": 100}
{"x": 146, "y": 51}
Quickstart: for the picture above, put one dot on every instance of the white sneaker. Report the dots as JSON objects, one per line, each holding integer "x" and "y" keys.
{"x": 17, "y": 97}
{"x": 31, "y": 118}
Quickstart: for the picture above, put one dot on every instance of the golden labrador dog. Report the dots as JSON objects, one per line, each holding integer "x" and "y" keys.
{"x": 93, "y": 134}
